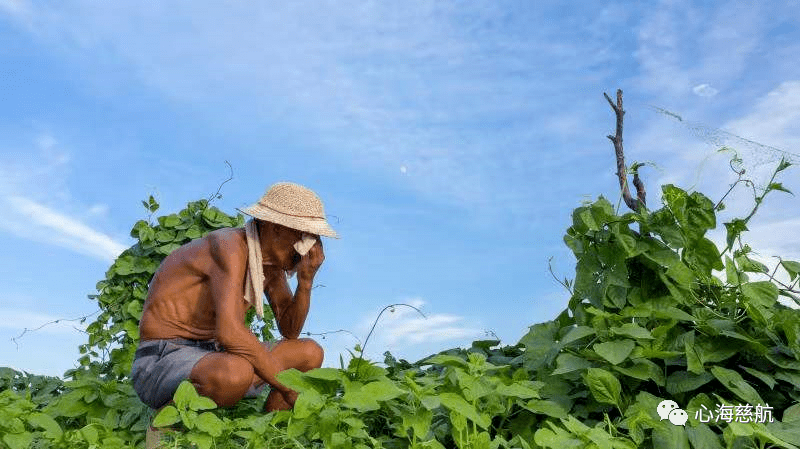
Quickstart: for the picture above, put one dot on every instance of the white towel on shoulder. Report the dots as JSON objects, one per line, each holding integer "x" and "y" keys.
{"x": 254, "y": 280}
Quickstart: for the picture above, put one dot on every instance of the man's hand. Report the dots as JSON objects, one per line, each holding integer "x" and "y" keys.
{"x": 310, "y": 263}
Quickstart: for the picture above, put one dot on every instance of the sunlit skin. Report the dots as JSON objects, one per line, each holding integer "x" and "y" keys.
{"x": 198, "y": 293}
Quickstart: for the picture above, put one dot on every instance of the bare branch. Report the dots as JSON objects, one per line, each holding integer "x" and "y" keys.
{"x": 616, "y": 139}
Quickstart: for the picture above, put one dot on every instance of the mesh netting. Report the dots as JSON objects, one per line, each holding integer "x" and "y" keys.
{"x": 753, "y": 157}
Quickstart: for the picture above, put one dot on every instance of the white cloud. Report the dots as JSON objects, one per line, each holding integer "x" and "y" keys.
{"x": 774, "y": 120}
{"x": 98, "y": 210}
{"x": 402, "y": 330}
{"x": 29, "y": 219}
{"x": 30, "y": 184}
{"x": 47, "y": 142}
{"x": 14, "y": 7}
{"x": 437, "y": 88}
{"x": 681, "y": 42}
{"x": 704, "y": 90}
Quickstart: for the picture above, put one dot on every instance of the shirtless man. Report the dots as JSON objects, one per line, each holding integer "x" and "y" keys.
{"x": 193, "y": 325}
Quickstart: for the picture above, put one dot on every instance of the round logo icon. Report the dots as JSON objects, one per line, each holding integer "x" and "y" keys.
{"x": 678, "y": 417}
{"x": 665, "y": 407}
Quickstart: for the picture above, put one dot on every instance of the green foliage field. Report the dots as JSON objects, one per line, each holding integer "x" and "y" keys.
{"x": 656, "y": 311}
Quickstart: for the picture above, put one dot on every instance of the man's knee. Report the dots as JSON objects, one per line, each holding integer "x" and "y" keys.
{"x": 225, "y": 379}
{"x": 312, "y": 354}
{"x": 236, "y": 372}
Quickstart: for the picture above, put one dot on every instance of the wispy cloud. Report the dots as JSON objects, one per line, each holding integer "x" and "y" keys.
{"x": 773, "y": 120}
{"x": 704, "y": 90}
{"x": 407, "y": 326}
{"x": 687, "y": 48}
{"x": 14, "y": 7}
{"x": 35, "y": 221}
{"x": 404, "y": 329}
{"x": 28, "y": 188}
{"x": 442, "y": 90}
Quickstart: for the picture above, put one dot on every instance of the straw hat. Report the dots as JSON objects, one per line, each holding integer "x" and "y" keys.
{"x": 293, "y": 206}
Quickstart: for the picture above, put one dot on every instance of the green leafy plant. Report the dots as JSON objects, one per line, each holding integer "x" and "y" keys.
{"x": 656, "y": 311}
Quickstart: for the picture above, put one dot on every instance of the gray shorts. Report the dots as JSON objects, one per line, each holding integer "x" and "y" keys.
{"x": 161, "y": 365}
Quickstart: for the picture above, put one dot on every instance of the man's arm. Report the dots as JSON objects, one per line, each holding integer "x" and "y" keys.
{"x": 291, "y": 310}
{"x": 227, "y": 273}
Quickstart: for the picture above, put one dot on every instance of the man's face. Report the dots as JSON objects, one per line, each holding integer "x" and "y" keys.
{"x": 281, "y": 241}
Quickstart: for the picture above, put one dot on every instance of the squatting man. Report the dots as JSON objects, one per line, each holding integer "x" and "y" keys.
{"x": 193, "y": 324}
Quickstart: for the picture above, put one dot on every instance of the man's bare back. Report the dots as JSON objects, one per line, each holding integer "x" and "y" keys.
{"x": 179, "y": 303}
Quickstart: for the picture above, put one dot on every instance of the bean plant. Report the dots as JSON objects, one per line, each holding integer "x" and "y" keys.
{"x": 655, "y": 311}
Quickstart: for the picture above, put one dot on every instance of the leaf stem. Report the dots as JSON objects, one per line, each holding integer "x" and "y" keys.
{"x": 366, "y": 340}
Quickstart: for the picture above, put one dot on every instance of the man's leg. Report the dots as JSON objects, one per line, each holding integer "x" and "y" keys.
{"x": 223, "y": 377}
{"x": 303, "y": 354}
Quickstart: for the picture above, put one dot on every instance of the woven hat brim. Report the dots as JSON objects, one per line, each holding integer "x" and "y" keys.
{"x": 312, "y": 225}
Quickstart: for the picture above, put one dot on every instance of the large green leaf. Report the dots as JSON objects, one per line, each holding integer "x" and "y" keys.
{"x": 186, "y": 398}
{"x": 557, "y": 438}
{"x": 210, "y": 424}
{"x": 700, "y": 216}
{"x": 576, "y": 333}
{"x": 539, "y": 348}
{"x": 366, "y": 397}
{"x": 760, "y": 298}
{"x": 545, "y": 407}
{"x": 200, "y": 440}
{"x": 733, "y": 381}
{"x": 762, "y": 293}
{"x": 694, "y": 359}
{"x": 457, "y": 404}
{"x": 643, "y": 369}
{"x": 567, "y": 363}
{"x": 331, "y": 374}
{"x": 676, "y": 200}
{"x": 702, "y": 437}
{"x": 668, "y": 435}
{"x": 520, "y": 390}
{"x": 308, "y": 403}
{"x": 18, "y": 440}
{"x": 166, "y": 417}
{"x": 604, "y": 386}
{"x": 615, "y": 351}
{"x": 704, "y": 255}
{"x": 684, "y": 381}
{"x": 791, "y": 267}
{"x": 46, "y": 422}
{"x": 632, "y": 330}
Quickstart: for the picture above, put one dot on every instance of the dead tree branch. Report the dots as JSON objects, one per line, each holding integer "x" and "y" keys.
{"x": 622, "y": 172}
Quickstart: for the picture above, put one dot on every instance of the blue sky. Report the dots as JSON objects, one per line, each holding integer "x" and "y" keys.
{"x": 450, "y": 141}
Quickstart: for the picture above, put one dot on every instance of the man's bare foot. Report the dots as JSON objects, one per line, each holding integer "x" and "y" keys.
{"x": 277, "y": 401}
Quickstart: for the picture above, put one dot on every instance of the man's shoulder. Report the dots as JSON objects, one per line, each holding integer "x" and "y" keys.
{"x": 227, "y": 240}
{"x": 222, "y": 248}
